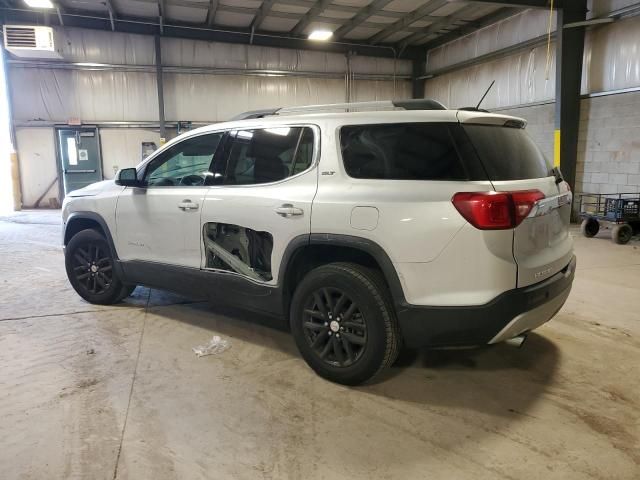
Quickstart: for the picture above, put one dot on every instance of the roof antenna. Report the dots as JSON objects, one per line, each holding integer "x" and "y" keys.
{"x": 483, "y": 96}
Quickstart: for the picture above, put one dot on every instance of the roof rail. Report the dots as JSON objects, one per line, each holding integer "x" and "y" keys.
{"x": 413, "y": 104}
{"x": 265, "y": 112}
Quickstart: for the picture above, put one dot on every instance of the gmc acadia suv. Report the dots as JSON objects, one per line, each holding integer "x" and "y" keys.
{"x": 364, "y": 230}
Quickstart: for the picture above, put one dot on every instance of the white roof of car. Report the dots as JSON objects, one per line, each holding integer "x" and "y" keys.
{"x": 358, "y": 118}
{"x": 351, "y": 118}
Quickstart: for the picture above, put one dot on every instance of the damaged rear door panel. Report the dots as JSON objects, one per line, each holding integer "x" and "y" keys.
{"x": 238, "y": 249}
{"x": 265, "y": 202}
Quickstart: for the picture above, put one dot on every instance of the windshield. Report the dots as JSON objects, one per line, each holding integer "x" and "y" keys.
{"x": 508, "y": 153}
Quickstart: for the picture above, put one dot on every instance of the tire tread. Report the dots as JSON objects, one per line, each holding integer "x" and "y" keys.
{"x": 376, "y": 286}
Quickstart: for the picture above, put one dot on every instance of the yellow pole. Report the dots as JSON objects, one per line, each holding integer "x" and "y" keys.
{"x": 556, "y": 148}
{"x": 15, "y": 181}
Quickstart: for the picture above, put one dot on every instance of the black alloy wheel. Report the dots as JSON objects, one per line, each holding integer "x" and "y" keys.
{"x": 335, "y": 328}
{"x": 343, "y": 320}
{"x": 93, "y": 267}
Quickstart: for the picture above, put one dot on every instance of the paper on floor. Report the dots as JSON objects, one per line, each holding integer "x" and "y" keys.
{"x": 215, "y": 346}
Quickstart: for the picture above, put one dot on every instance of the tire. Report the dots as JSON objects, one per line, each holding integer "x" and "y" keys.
{"x": 90, "y": 263}
{"x": 590, "y": 227}
{"x": 622, "y": 233}
{"x": 344, "y": 323}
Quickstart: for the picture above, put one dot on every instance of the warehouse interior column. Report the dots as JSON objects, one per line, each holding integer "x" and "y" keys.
{"x": 6, "y": 145}
{"x": 569, "y": 53}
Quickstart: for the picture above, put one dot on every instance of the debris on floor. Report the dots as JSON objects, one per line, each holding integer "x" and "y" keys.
{"x": 215, "y": 346}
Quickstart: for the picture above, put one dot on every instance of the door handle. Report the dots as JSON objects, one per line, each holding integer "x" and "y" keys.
{"x": 79, "y": 171}
{"x": 287, "y": 210}
{"x": 187, "y": 205}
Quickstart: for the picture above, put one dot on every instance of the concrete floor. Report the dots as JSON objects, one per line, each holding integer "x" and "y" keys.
{"x": 116, "y": 392}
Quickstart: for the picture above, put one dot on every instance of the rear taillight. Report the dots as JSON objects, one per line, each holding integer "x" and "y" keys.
{"x": 496, "y": 210}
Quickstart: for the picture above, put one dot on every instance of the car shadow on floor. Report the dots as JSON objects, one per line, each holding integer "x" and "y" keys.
{"x": 499, "y": 379}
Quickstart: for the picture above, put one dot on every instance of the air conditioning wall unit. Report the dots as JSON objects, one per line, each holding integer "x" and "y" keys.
{"x": 31, "y": 41}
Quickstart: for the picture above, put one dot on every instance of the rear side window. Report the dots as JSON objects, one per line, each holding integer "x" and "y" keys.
{"x": 269, "y": 154}
{"x": 401, "y": 151}
{"x": 508, "y": 153}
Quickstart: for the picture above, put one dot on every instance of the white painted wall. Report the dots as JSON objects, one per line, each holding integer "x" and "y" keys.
{"x": 121, "y": 147}
{"x": 37, "y": 157}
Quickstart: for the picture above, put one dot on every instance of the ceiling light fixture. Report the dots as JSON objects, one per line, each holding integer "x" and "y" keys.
{"x": 39, "y": 3}
{"x": 320, "y": 35}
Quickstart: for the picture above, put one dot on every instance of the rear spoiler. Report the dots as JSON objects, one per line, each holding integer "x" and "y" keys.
{"x": 485, "y": 118}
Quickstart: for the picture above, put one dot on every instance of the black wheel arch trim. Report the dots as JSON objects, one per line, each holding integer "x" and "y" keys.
{"x": 351, "y": 241}
{"x": 95, "y": 217}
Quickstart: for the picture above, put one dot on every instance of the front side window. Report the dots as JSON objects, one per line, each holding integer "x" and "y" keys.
{"x": 191, "y": 162}
{"x": 267, "y": 155}
{"x": 401, "y": 151}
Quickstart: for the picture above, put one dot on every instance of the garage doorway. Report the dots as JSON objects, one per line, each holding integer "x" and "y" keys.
{"x": 78, "y": 157}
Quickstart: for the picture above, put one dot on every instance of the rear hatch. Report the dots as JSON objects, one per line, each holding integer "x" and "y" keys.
{"x": 513, "y": 162}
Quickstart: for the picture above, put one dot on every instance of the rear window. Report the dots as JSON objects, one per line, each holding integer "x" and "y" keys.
{"x": 508, "y": 153}
{"x": 401, "y": 151}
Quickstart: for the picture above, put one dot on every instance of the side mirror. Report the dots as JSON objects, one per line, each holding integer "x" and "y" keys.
{"x": 128, "y": 177}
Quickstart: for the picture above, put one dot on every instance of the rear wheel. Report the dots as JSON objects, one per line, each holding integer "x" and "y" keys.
{"x": 622, "y": 233}
{"x": 90, "y": 268}
{"x": 344, "y": 324}
{"x": 589, "y": 227}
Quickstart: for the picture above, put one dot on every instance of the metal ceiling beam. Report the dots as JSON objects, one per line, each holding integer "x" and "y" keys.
{"x": 262, "y": 13}
{"x": 379, "y": 26}
{"x": 310, "y": 16}
{"x": 149, "y": 26}
{"x": 437, "y": 26}
{"x": 360, "y": 17}
{"x": 256, "y": 11}
{"x": 211, "y": 12}
{"x": 296, "y": 3}
{"x": 407, "y": 20}
{"x": 339, "y": 8}
{"x": 482, "y": 22}
{"x": 524, "y": 3}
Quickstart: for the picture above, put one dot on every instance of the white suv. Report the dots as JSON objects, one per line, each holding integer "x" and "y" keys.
{"x": 364, "y": 230}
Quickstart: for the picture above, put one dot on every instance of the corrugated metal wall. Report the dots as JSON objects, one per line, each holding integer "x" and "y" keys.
{"x": 225, "y": 85}
{"x": 608, "y": 152}
{"x": 611, "y": 62}
{"x": 56, "y": 94}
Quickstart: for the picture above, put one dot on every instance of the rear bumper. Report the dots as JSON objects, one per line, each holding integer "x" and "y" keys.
{"x": 506, "y": 316}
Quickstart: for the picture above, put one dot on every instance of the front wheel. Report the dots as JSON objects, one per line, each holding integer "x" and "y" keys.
{"x": 90, "y": 268}
{"x": 622, "y": 233}
{"x": 344, "y": 323}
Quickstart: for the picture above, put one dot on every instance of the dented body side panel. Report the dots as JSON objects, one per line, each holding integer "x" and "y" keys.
{"x": 238, "y": 249}
{"x": 246, "y": 229}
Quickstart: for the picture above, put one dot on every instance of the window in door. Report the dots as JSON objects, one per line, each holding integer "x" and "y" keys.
{"x": 269, "y": 154}
{"x": 192, "y": 162}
